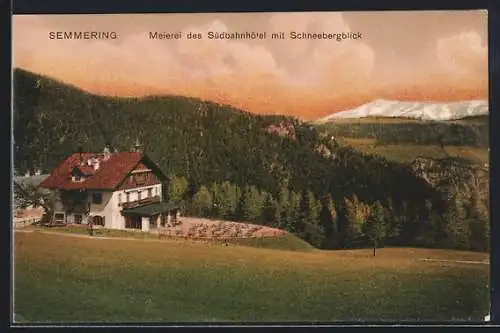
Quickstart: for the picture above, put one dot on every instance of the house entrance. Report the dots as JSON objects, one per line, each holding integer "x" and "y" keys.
{"x": 153, "y": 221}
{"x": 133, "y": 222}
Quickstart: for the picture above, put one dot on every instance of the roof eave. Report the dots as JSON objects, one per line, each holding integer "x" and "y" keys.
{"x": 162, "y": 175}
{"x": 76, "y": 188}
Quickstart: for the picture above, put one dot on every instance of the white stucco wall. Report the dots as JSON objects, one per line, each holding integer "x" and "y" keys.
{"x": 145, "y": 223}
{"x": 104, "y": 208}
{"x": 70, "y": 218}
{"x": 114, "y": 209}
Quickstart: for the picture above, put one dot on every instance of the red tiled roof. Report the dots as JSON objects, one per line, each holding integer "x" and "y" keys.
{"x": 108, "y": 176}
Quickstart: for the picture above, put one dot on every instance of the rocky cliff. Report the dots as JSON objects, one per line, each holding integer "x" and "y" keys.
{"x": 457, "y": 179}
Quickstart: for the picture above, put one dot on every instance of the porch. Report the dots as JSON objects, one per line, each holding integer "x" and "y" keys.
{"x": 151, "y": 216}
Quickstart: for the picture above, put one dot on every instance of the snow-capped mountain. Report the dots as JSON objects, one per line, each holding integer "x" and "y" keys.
{"x": 414, "y": 110}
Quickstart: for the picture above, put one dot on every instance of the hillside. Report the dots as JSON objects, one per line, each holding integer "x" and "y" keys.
{"x": 227, "y": 163}
{"x": 407, "y": 152}
{"x": 471, "y": 132}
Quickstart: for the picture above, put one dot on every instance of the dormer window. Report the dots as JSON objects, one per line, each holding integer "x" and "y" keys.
{"x": 97, "y": 198}
{"x": 77, "y": 178}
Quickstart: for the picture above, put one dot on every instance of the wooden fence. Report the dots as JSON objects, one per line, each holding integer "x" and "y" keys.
{"x": 24, "y": 222}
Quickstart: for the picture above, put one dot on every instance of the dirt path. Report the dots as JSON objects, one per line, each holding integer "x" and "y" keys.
{"x": 199, "y": 229}
{"x": 86, "y": 236}
{"x": 484, "y": 262}
{"x": 98, "y": 237}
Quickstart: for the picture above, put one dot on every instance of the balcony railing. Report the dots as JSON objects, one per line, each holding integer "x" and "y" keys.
{"x": 141, "y": 202}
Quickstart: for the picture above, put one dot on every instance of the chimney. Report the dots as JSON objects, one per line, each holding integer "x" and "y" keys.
{"x": 106, "y": 153}
{"x": 137, "y": 146}
{"x": 95, "y": 163}
{"x": 80, "y": 152}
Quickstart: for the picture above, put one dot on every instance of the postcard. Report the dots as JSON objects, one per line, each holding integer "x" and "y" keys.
{"x": 251, "y": 168}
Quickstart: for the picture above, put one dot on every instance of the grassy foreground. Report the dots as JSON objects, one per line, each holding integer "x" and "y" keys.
{"x": 74, "y": 279}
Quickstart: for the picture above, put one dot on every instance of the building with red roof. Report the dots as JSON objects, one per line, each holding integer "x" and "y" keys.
{"x": 120, "y": 190}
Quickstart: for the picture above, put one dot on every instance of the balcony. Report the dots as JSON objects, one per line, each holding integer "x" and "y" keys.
{"x": 142, "y": 202}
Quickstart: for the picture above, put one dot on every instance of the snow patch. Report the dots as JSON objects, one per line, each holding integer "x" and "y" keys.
{"x": 414, "y": 110}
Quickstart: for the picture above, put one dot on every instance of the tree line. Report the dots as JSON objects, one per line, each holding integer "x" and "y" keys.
{"x": 473, "y": 133}
{"x": 347, "y": 223}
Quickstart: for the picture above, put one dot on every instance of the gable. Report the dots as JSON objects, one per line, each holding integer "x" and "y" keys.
{"x": 143, "y": 174}
{"x": 141, "y": 166}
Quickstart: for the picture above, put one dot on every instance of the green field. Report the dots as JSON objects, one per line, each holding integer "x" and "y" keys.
{"x": 76, "y": 279}
{"x": 408, "y": 152}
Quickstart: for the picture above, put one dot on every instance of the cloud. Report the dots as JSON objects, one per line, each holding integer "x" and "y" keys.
{"x": 233, "y": 60}
{"x": 324, "y": 61}
{"x": 464, "y": 54}
{"x": 298, "y": 77}
{"x": 240, "y": 72}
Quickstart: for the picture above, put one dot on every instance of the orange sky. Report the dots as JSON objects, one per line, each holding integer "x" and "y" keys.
{"x": 426, "y": 55}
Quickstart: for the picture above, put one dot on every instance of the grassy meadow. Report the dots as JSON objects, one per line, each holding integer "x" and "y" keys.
{"x": 76, "y": 279}
{"x": 408, "y": 152}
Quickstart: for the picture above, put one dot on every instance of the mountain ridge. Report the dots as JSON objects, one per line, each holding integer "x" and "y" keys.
{"x": 433, "y": 111}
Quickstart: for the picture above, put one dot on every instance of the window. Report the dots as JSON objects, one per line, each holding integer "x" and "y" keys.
{"x": 97, "y": 198}
{"x": 127, "y": 197}
{"x": 139, "y": 196}
{"x": 78, "y": 219}
{"x": 77, "y": 178}
{"x": 150, "y": 192}
{"x": 140, "y": 178}
{"x": 59, "y": 218}
{"x": 99, "y": 220}
{"x": 119, "y": 198}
